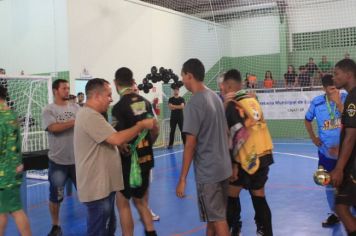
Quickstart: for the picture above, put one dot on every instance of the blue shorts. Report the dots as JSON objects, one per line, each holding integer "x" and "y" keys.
{"x": 327, "y": 163}
{"x": 58, "y": 176}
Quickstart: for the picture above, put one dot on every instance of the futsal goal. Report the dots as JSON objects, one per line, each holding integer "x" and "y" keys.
{"x": 27, "y": 96}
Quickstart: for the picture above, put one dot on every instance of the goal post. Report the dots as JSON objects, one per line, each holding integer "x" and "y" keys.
{"x": 27, "y": 96}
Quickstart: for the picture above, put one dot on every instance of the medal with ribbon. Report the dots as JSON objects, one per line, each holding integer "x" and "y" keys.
{"x": 331, "y": 111}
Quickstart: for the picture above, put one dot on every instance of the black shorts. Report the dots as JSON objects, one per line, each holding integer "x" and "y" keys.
{"x": 346, "y": 193}
{"x": 256, "y": 180}
{"x": 139, "y": 192}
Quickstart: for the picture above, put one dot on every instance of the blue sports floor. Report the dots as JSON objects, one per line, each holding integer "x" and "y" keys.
{"x": 298, "y": 205}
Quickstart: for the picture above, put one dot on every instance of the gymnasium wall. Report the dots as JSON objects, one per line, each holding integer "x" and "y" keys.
{"x": 324, "y": 17}
{"x": 33, "y": 36}
{"x": 105, "y": 35}
{"x": 254, "y": 36}
{"x": 321, "y": 15}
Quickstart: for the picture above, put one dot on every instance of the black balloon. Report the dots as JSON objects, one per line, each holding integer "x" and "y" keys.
{"x": 154, "y": 70}
{"x": 164, "y": 75}
{"x": 177, "y": 85}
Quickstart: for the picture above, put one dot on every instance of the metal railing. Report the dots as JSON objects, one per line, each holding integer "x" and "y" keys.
{"x": 163, "y": 138}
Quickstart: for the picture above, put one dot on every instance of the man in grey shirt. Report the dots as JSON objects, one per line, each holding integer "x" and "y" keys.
{"x": 98, "y": 162}
{"x": 206, "y": 144}
{"x": 58, "y": 120}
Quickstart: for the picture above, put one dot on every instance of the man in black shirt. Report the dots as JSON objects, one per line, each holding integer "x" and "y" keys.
{"x": 130, "y": 109}
{"x": 344, "y": 175}
{"x": 304, "y": 79}
{"x": 176, "y": 105}
{"x": 311, "y": 67}
{"x": 290, "y": 77}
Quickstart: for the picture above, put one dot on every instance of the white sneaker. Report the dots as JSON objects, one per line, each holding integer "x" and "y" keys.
{"x": 154, "y": 216}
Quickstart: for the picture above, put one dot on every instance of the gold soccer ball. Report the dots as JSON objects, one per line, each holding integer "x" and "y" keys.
{"x": 321, "y": 177}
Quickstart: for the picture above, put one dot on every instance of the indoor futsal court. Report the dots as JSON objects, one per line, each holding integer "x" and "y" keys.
{"x": 282, "y": 48}
{"x": 298, "y": 205}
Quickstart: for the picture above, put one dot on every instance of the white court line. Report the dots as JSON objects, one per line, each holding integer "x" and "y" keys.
{"x": 282, "y": 153}
{"x": 297, "y": 155}
{"x": 32, "y": 185}
{"x": 167, "y": 154}
{"x": 309, "y": 144}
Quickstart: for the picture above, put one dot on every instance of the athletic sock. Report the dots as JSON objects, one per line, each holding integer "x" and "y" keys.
{"x": 150, "y": 233}
{"x": 330, "y": 196}
{"x": 233, "y": 212}
{"x": 263, "y": 214}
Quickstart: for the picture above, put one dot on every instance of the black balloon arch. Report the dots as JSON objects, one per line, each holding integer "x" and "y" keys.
{"x": 164, "y": 75}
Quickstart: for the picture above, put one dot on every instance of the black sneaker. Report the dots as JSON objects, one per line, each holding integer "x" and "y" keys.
{"x": 259, "y": 231}
{"x": 55, "y": 231}
{"x": 330, "y": 221}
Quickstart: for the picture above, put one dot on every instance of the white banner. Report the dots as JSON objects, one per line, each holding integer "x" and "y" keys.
{"x": 286, "y": 105}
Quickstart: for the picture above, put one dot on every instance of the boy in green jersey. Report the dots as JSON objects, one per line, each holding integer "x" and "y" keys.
{"x": 10, "y": 169}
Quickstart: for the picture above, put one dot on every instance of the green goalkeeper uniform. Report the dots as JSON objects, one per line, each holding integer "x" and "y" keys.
{"x": 10, "y": 158}
{"x": 10, "y": 149}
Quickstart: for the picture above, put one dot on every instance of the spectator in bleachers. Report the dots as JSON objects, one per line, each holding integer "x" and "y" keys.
{"x": 304, "y": 79}
{"x": 251, "y": 80}
{"x": 311, "y": 68}
{"x": 325, "y": 66}
{"x": 290, "y": 77}
{"x": 2, "y": 71}
{"x": 268, "y": 81}
{"x": 246, "y": 81}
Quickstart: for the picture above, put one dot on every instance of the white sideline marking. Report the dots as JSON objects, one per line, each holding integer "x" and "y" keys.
{"x": 32, "y": 185}
{"x": 297, "y": 155}
{"x": 309, "y": 144}
{"x": 167, "y": 154}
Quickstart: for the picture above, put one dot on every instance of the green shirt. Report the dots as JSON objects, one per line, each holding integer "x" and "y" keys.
{"x": 10, "y": 149}
{"x": 325, "y": 66}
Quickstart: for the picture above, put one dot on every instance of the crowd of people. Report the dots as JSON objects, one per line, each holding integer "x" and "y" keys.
{"x": 308, "y": 75}
{"x": 226, "y": 137}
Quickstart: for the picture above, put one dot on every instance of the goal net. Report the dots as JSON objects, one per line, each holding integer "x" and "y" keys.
{"x": 27, "y": 95}
{"x": 260, "y": 38}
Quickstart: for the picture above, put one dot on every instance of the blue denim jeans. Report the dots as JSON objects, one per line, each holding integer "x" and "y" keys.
{"x": 58, "y": 176}
{"x": 101, "y": 219}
